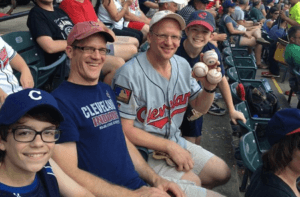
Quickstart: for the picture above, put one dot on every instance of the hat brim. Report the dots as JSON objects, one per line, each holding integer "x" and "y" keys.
{"x": 16, "y": 117}
{"x": 177, "y": 17}
{"x": 203, "y": 23}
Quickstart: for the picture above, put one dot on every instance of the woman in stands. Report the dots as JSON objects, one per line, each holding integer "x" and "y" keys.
{"x": 278, "y": 175}
{"x": 271, "y": 18}
{"x": 28, "y": 130}
{"x": 111, "y": 13}
{"x": 239, "y": 35}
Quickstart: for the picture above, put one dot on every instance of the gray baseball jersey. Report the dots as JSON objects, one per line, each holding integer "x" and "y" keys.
{"x": 156, "y": 104}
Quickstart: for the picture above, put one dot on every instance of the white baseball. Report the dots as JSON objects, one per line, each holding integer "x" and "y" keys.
{"x": 200, "y": 69}
{"x": 214, "y": 76}
{"x": 210, "y": 58}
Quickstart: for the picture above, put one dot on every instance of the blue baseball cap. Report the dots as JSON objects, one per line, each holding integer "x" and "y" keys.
{"x": 228, "y": 4}
{"x": 284, "y": 122}
{"x": 18, "y": 104}
{"x": 201, "y": 17}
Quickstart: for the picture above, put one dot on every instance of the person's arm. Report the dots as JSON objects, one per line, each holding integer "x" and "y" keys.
{"x": 264, "y": 12}
{"x": 3, "y": 96}
{"x": 67, "y": 186}
{"x": 132, "y": 17}
{"x": 142, "y": 138}
{"x": 225, "y": 91}
{"x": 51, "y": 46}
{"x": 219, "y": 37}
{"x": 148, "y": 174}
{"x": 151, "y": 4}
{"x": 20, "y": 65}
{"x": 112, "y": 9}
{"x": 65, "y": 155}
{"x": 288, "y": 20}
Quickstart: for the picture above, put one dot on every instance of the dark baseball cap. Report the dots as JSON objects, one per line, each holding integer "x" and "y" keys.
{"x": 16, "y": 105}
{"x": 284, "y": 122}
{"x": 203, "y": 18}
{"x": 228, "y": 4}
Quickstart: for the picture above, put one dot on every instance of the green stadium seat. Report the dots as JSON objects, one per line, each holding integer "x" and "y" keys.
{"x": 22, "y": 42}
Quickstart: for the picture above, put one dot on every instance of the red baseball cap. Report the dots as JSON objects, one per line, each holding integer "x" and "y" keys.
{"x": 85, "y": 29}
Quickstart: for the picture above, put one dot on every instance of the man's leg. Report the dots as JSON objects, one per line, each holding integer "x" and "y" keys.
{"x": 127, "y": 40}
{"x": 125, "y": 51}
{"x": 111, "y": 65}
{"x": 212, "y": 170}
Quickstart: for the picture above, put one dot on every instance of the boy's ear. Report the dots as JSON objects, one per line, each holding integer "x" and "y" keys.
{"x": 186, "y": 30}
{"x": 212, "y": 36}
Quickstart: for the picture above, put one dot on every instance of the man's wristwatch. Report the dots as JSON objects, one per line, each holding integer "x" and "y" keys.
{"x": 209, "y": 91}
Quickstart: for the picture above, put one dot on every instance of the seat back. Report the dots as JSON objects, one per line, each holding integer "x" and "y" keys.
{"x": 23, "y": 43}
{"x": 227, "y": 51}
{"x": 249, "y": 152}
{"x": 232, "y": 75}
{"x": 229, "y": 61}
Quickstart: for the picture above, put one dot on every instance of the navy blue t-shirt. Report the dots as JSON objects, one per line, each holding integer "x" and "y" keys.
{"x": 44, "y": 185}
{"x": 192, "y": 61}
{"x": 92, "y": 121}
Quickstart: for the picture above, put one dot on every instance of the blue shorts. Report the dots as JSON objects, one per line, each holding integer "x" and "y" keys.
{"x": 191, "y": 128}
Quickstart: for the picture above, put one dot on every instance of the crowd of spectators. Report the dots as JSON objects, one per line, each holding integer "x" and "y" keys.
{"x": 121, "y": 99}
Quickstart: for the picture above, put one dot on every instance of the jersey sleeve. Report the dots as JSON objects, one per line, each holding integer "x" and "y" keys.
{"x": 125, "y": 96}
{"x": 10, "y": 51}
{"x": 69, "y": 130}
{"x": 195, "y": 88}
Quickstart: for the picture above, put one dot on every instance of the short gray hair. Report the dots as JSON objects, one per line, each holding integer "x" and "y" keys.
{"x": 243, "y": 2}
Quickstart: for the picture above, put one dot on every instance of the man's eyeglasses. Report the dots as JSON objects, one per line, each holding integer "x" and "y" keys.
{"x": 166, "y": 37}
{"x": 91, "y": 50}
{"x": 28, "y": 135}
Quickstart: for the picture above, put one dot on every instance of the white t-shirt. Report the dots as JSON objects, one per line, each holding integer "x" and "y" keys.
{"x": 8, "y": 82}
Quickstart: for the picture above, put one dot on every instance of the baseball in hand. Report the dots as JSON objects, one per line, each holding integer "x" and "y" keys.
{"x": 214, "y": 76}
{"x": 200, "y": 69}
{"x": 210, "y": 57}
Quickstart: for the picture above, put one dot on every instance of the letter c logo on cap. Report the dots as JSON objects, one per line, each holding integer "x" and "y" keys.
{"x": 33, "y": 97}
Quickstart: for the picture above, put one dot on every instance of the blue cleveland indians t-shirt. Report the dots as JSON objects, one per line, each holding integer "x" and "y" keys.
{"x": 92, "y": 121}
{"x": 192, "y": 61}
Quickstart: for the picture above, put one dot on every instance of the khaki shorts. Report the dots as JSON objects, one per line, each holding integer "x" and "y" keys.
{"x": 199, "y": 155}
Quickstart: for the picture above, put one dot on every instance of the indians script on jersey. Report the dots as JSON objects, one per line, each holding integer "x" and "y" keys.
{"x": 157, "y": 116}
{"x": 103, "y": 113}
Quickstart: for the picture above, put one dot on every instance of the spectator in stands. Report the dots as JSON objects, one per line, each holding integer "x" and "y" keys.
{"x": 194, "y": 5}
{"x": 269, "y": 4}
{"x": 111, "y": 13}
{"x": 96, "y": 153}
{"x": 213, "y": 5}
{"x": 50, "y": 27}
{"x": 271, "y": 18}
{"x": 292, "y": 58}
{"x": 136, "y": 19}
{"x": 278, "y": 30}
{"x": 278, "y": 175}
{"x": 147, "y": 5}
{"x": 83, "y": 10}
{"x": 8, "y": 82}
{"x": 28, "y": 130}
{"x": 171, "y": 5}
{"x": 239, "y": 15}
{"x": 190, "y": 49}
{"x": 158, "y": 72}
{"x": 256, "y": 13}
{"x": 239, "y": 35}
{"x": 293, "y": 19}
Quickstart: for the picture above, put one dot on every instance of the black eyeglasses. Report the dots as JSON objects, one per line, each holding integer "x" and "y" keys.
{"x": 91, "y": 50}
{"x": 28, "y": 135}
{"x": 166, "y": 37}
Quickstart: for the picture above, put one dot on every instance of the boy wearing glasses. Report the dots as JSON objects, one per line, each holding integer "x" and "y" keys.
{"x": 28, "y": 131}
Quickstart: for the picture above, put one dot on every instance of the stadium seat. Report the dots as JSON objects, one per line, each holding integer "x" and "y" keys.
{"x": 22, "y": 42}
{"x": 245, "y": 67}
